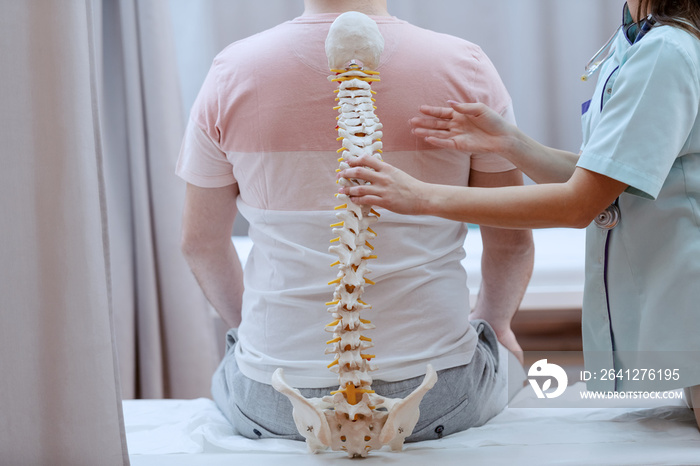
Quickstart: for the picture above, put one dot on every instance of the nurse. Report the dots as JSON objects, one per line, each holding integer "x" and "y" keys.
{"x": 635, "y": 186}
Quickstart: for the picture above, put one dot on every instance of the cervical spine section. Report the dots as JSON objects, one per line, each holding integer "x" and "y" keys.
{"x": 359, "y": 130}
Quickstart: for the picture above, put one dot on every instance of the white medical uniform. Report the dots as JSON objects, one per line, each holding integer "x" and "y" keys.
{"x": 642, "y": 294}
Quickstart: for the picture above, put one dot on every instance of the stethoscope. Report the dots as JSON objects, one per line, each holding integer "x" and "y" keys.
{"x": 610, "y": 217}
{"x": 605, "y": 52}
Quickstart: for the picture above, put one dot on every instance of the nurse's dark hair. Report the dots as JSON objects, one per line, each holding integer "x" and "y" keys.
{"x": 684, "y": 14}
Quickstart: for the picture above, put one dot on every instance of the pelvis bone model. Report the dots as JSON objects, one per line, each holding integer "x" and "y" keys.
{"x": 354, "y": 418}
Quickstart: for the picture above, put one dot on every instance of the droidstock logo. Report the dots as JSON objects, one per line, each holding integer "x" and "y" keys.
{"x": 541, "y": 370}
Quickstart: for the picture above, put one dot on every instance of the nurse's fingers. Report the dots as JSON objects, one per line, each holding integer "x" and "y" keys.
{"x": 444, "y": 113}
{"x": 430, "y": 123}
{"x": 435, "y": 133}
{"x": 363, "y": 194}
{"x": 366, "y": 161}
{"x": 359, "y": 173}
{"x": 441, "y": 139}
{"x": 470, "y": 109}
{"x": 367, "y": 200}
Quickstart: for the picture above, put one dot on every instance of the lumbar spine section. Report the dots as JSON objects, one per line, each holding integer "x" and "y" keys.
{"x": 353, "y": 418}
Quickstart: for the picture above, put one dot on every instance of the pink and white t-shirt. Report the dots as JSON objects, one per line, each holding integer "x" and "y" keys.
{"x": 264, "y": 119}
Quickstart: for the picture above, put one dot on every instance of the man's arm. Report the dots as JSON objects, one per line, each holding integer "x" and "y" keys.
{"x": 506, "y": 266}
{"x": 207, "y": 222}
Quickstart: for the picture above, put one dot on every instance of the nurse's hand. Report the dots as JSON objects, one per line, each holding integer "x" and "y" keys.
{"x": 391, "y": 188}
{"x": 469, "y": 127}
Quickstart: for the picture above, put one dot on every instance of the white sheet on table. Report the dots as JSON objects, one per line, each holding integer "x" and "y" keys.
{"x": 193, "y": 432}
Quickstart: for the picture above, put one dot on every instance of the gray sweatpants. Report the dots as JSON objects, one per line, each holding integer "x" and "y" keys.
{"x": 463, "y": 397}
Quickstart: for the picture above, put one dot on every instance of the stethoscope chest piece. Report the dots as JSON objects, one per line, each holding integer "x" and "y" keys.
{"x": 609, "y": 218}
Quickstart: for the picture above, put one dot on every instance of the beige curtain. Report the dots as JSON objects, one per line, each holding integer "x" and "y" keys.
{"x": 59, "y": 397}
{"x": 165, "y": 331}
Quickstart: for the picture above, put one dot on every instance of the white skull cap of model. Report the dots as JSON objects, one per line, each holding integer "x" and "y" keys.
{"x": 354, "y": 36}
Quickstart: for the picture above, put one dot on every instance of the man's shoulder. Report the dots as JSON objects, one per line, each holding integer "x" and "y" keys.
{"x": 256, "y": 44}
{"x": 441, "y": 47}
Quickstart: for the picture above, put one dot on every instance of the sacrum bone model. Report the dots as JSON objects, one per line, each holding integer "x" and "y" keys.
{"x": 354, "y": 419}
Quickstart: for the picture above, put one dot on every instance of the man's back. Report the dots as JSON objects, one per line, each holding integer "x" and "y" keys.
{"x": 264, "y": 119}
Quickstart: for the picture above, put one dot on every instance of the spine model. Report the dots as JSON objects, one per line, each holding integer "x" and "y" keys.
{"x": 353, "y": 418}
{"x": 358, "y": 128}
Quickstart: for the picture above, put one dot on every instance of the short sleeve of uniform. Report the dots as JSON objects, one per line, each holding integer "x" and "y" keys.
{"x": 649, "y": 117}
{"x": 202, "y": 162}
{"x": 488, "y": 88}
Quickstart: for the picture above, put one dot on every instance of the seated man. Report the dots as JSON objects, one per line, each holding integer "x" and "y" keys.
{"x": 261, "y": 141}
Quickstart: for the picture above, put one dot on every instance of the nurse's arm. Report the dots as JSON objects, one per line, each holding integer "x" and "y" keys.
{"x": 207, "y": 222}
{"x": 477, "y": 129}
{"x": 506, "y": 266}
{"x": 573, "y": 204}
